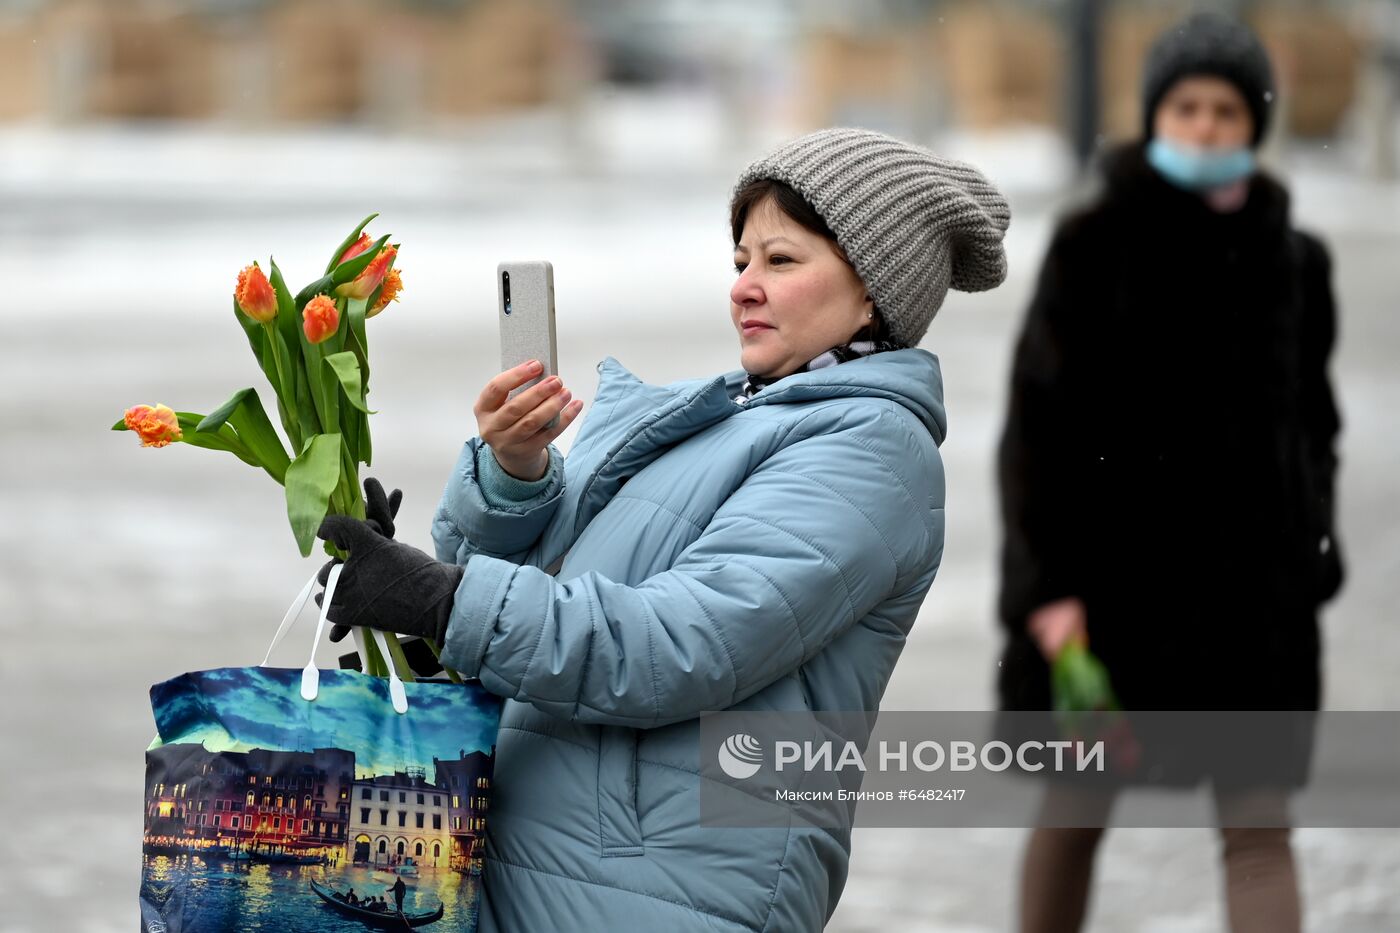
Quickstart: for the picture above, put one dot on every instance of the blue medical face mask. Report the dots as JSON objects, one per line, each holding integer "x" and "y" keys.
{"x": 1199, "y": 169}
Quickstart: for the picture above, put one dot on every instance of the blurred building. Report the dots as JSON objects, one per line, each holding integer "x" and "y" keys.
{"x": 293, "y": 60}
{"x": 998, "y": 62}
{"x": 908, "y": 65}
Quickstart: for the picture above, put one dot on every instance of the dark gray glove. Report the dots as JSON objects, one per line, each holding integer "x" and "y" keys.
{"x": 387, "y": 585}
{"x": 380, "y": 511}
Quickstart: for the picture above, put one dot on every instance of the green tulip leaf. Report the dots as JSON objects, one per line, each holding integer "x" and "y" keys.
{"x": 311, "y": 478}
{"x": 222, "y": 439}
{"x": 347, "y": 369}
{"x": 322, "y": 286}
{"x": 364, "y": 450}
{"x": 257, "y": 340}
{"x": 359, "y": 337}
{"x": 245, "y": 413}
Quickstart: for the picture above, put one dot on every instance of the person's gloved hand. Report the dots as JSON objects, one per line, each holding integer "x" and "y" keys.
{"x": 387, "y": 585}
{"x": 380, "y": 511}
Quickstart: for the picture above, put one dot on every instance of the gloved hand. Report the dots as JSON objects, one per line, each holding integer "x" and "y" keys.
{"x": 380, "y": 511}
{"x": 387, "y": 585}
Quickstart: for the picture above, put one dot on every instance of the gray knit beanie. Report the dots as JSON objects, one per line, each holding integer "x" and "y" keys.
{"x": 911, "y": 223}
{"x": 1215, "y": 45}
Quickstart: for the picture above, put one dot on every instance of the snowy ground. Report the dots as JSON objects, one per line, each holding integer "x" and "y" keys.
{"x": 123, "y": 566}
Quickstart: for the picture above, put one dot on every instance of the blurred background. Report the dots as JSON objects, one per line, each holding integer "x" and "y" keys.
{"x": 149, "y": 149}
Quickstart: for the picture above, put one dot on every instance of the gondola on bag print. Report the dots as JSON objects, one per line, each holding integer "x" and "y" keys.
{"x": 315, "y": 800}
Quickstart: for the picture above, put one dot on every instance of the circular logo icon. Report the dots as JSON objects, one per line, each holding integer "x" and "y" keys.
{"x": 740, "y": 756}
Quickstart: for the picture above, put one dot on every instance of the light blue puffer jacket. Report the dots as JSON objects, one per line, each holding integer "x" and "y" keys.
{"x": 766, "y": 556}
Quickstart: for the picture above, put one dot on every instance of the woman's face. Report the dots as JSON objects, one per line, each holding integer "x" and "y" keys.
{"x": 1204, "y": 112}
{"x": 795, "y": 296}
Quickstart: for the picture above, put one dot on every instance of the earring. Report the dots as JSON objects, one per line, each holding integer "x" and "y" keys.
{"x": 870, "y": 314}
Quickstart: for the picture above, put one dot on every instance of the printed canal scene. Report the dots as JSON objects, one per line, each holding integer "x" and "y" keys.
{"x": 265, "y": 811}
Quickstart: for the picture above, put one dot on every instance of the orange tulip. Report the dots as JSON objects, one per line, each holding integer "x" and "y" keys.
{"x": 156, "y": 426}
{"x": 320, "y": 319}
{"x": 367, "y": 281}
{"x": 356, "y": 248}
{"x": 255, "y": 296}
{"x": 393, "y": 284}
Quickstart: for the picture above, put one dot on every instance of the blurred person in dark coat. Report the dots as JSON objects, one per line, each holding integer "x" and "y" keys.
{"x": 1167, "y": 466}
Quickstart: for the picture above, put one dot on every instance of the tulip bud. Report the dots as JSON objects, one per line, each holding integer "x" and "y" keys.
{"x": 393, "y": 284}
{"x": 255, "y": 296}
{"x": 320, "y": 319}
{"x": 156, "y": 426}
{"x": 367, "y": 281}
{"x": 356, "y": 248}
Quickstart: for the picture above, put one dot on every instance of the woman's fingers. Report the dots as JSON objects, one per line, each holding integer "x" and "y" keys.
{"x": 566, "y": 418}
{"x": 516, "y": 427}
{"x": 508, "y": 412}
{"x": 529, "y": 400}
{"x": 533, "y": 421}
{"x": 500, "y": 386}
{"x": 520, "y": 417}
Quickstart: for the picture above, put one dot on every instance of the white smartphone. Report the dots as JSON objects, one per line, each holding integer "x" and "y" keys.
{"x": 525, "y": 309}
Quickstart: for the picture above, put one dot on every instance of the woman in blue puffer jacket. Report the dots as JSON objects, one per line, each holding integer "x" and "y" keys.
{"x": 760, "y": 540}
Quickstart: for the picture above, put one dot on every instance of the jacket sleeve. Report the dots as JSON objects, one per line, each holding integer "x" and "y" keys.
{"x": 469, "y": 522}
{"x": 1321, "y": 419}
{"x": 1038, "y": 460}
{"x": 816, "y": 536}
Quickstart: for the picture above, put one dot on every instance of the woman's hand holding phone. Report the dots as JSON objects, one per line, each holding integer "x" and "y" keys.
{"x": 515, "y": 426}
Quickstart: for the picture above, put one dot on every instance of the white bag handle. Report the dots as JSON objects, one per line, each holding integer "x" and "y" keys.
{"x": 310, "y": 676}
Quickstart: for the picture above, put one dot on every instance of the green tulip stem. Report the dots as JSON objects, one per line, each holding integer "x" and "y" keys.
{"x": 281, "y": 365}
{"x": 375, "y": 661}
{"x": 452, "y": 675}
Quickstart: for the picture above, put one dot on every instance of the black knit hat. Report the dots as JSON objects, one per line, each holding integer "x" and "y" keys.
{"x": 1215, "y": 45}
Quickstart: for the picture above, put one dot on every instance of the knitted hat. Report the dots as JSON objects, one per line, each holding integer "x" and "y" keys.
{"x": 911, "y": 223}
{"x": 1215, "y": 45}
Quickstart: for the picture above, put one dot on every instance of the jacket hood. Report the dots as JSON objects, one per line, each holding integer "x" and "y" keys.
{"x": 910, "y": 377}
{"x": 634, "y": 422}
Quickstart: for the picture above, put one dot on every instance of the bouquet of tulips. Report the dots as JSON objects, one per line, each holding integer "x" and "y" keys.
{"x": 313, "y": 347}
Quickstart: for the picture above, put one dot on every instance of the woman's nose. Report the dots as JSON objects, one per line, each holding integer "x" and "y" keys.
{"x": 746, "y": 290}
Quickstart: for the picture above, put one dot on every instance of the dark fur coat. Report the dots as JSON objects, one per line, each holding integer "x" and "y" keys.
{"x": 1168, "y": 455}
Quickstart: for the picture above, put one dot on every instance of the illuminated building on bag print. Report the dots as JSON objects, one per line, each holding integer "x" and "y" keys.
{"x": 468, "y": 781}
{"x": 295, "y": 800}
{"x": 310, "y": 803}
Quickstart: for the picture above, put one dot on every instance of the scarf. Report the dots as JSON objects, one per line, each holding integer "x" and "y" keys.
{"x": 840, "y": 354}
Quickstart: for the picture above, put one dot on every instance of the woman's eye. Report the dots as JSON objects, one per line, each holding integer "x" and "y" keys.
{"x": 739, "y": 267}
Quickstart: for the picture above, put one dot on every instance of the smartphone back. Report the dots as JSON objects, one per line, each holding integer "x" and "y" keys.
{"x": 525, "y": 309}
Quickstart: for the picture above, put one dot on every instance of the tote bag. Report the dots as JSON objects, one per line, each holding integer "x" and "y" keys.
{"x": 315, "y": 800}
